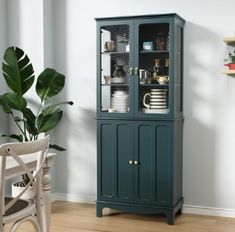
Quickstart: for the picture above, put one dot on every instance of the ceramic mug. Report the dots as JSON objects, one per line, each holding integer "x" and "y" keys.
{"x": 156, "y": 97}
{"x": 109, "y": 46}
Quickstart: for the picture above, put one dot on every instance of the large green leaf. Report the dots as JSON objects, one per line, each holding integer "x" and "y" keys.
{"x": 49, "y": 83}
{"x": 56, "y": 147}
{"x": 14, "y": 136}
{"x": 48, "y": 121}
{"x": 6, "y": 108}
{"x": 30, "y": 121}
{"x": 49, "y": 110}
{"x": 15, "y": 101}
{"x": 17, "y": 70}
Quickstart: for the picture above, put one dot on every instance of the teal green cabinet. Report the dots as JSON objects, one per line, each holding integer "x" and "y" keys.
{"x": 153, "y": 172}
{"x": 140, "y": 114}
{"x": 115, "y": 149}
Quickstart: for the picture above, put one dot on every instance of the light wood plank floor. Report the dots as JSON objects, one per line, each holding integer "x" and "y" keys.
{"x": 74, "y": 217}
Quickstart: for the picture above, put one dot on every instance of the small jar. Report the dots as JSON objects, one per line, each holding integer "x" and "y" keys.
{"x": 142, "y": 75}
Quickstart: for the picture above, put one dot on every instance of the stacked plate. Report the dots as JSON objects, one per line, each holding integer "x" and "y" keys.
{"x": 119, "y": 101}
{"x": 155, "y": 111}
{"x": 118, "y": 80}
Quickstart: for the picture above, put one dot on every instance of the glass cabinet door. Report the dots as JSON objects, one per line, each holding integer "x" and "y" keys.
{"x": 153, "y": 62}
{"x": 115, "y": 93}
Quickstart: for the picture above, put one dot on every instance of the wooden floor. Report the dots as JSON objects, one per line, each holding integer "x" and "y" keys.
{"x": 74, "y": 217}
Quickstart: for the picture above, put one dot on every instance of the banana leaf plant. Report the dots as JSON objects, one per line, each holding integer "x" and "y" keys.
{"x": 19, "y": 75}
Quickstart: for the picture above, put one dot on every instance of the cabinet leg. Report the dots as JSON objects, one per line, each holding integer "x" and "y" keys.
{"x": 99, "y": 210}
{"x": 170, "y": 218}
{"x": 179, "y": 211}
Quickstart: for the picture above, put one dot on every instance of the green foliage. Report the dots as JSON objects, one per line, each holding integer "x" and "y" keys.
{"x": 13, "y": 136}
{"x": 232, "y": 57}
{"x": 49, "y": 84}
{"x": 19, "y": 76}
{"x": 17, "y": 70}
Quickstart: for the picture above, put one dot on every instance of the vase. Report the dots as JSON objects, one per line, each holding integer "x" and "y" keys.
{"x": 18, "y": 187}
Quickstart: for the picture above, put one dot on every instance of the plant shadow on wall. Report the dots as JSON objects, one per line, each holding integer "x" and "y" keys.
{"x": 78, "y": 129}
{"x": 19, "y": 76}
{"x": 200, "y": 103}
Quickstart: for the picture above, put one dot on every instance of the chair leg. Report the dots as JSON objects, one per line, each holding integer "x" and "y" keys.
{"x": 17, "y": 224}
{"x": 1, "y": 227}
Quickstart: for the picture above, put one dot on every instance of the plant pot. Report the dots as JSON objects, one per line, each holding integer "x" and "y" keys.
{"x": 18, "y": 187}
{"x": 231, "y": 66}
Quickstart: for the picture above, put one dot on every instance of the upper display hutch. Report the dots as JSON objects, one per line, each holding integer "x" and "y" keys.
{"x": 139, "y": 68}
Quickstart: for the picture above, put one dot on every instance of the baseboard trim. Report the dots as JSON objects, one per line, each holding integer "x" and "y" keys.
{"x": 192, "y": 209}
{"x": 73, "y": 198}
{"x": 210, "y": 211}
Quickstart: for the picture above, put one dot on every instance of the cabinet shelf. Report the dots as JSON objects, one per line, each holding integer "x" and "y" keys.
{"x": 114, "y": 53}
{"x": 154, "y": 85}
{"x": 154, "y": 52}
{"x": 116, "y": 84}
{"x": 229, "y": 40}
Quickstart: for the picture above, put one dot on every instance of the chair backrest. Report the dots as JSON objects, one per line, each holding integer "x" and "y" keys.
{"x": 16, "y": 150}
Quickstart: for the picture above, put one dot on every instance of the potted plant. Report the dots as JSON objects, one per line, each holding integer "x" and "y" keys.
{"x": 231, "y": 64}
{"x": 18, "y": 73}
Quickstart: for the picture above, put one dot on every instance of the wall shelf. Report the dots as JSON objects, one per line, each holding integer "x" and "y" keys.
{"x": 229, "y": 40}
{"x": 229, "y": 72}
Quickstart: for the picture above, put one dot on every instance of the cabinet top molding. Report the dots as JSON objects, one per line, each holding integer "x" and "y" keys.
{"x": 173, "y": 15}
{"x": 229, "y": 40}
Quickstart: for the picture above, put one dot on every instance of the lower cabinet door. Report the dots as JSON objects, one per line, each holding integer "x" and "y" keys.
{"x": 153, "y": 156}
{"x": 135, "y": 161}
{"x": 115, "y": 155}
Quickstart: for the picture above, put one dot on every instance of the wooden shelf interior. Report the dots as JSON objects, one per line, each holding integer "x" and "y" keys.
{"x": 229, "y": 40}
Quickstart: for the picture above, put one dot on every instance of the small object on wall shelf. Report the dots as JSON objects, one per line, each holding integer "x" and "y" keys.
{"x": 229, "y": 40}
{"x": 231, "y": 64}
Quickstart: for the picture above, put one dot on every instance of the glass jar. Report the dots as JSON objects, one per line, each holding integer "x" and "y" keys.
{"x": 160, "y": 42}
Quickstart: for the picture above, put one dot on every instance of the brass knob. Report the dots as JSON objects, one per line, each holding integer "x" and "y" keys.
{"x": 131, "y": 70}
{"x": 130, "y": 161}
{"x": 136, "y": 70}
{"x": 135, "y": 162}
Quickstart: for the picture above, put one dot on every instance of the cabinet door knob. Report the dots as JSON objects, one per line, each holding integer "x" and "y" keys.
{"x": 131, "y": 70}
{"x": 136, "y": 71}
{"x": 130, "y": 161}
{"x": 135, "y": 162}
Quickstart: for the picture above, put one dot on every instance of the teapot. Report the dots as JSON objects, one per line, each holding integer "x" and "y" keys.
{"x": 119, "y": 71}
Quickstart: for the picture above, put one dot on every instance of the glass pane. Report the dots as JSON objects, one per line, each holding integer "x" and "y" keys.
{"x": 115, "y": 51}
{"x": 154, "y": 68}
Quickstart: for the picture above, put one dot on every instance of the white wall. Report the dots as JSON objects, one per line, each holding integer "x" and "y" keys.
{"x": 70, "y": 47}
{"x": 3, "y": 41}
{"x": 25, "y": 30}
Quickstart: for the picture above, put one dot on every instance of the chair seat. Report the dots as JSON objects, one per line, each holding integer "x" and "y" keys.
{"x": 18, "y": 206}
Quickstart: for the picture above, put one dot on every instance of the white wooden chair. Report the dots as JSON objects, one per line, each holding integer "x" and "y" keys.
{"x": 15, "y": 210}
